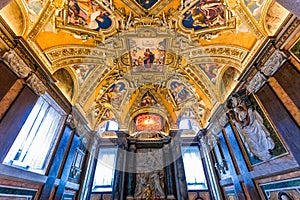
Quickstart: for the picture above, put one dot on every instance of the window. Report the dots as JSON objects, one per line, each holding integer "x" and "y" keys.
{"x": 31, "y": 149}
{"x": 193, "y": 168}
{"x": 105, "y": 170}
{"x": 112, "y": 126}
{"x": 187, "y": 124}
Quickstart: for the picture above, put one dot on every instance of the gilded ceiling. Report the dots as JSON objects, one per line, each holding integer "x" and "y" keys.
{"x": 115, "y": 58}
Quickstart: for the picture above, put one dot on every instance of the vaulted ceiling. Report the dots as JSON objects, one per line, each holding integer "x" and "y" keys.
{"x": 100, "y": 52}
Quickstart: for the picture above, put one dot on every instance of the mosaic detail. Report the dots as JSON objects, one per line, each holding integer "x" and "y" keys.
{"x": 255, "y": 7}
{"x": 148, "y": 122}
{"x": 148, "y": 100}
{"x": 115, "y": 94}
{"x": 34, "y": 8}
{"x": 180, "y": 92}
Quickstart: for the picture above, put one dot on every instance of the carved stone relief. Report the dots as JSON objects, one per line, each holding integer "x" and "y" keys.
{"x": 274, "y": 63}
{"x": 256, "y": 83}
{"x": 36, "y": 84}
{"x": 16, "y": 64}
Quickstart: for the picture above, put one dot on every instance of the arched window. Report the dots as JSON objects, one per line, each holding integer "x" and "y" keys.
{"x": 112, "y": 126}
{"x": 188, "y": 124}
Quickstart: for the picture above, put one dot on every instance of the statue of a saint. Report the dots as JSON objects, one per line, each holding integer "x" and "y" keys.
{"x": 157, "y": 179}
{"x": 141, "y": 184}
{"x": 254, "y": 134}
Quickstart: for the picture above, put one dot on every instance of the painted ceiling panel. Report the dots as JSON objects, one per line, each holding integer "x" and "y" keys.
{"x": 184, "y": 53}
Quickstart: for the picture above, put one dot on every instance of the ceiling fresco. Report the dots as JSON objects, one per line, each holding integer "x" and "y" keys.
{"x": 115, "y": 58}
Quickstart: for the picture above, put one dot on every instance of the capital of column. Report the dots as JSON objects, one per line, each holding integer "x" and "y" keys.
{"x": 16, "y": 64}
{"x": 36, "y": 84}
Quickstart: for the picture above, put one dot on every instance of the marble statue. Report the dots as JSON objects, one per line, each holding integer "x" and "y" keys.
{"x": 254, "y": 134}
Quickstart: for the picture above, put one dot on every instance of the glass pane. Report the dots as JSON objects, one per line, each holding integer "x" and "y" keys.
{"x": 184, "y": 124}
{"x": 105, "y": 170}
{"x": 112, "y": 126}
{"x": 193, "y": 167}
{"x": 32, "y": 145}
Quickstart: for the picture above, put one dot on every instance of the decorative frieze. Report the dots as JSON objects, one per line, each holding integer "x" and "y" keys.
{"x": 214, "y": 51}
{"x": 16, "y": 64}
{"x": 64, "y": 52}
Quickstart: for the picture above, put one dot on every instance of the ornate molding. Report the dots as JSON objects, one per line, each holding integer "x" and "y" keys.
{"x": 43, "y": 19}
{"x": 256, "y": 82}
{"x": 247, "y": 19}
{"x": 64, "y": 52}
{"x": 6, "y": 33}
{"x": 139, "y": 10}
{"x": 235, "y": 53}
{"x": 16, "y": 64}
{"x": 195, "y": 77}
{"x": 288, "y": 32}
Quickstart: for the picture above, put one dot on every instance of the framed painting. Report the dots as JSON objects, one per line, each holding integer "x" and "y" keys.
{"x": 284, "y": 189}
{"x": 147, "y": 54}
{"x": 295, "y": 50}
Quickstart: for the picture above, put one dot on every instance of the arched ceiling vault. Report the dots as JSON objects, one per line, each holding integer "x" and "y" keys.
{"x": 200, "y": 48}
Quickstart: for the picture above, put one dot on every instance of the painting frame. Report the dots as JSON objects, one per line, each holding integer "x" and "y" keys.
{"x": 271, "y": 190}
{"x": 147, "y": 54}
{"x": 295, "y": 47}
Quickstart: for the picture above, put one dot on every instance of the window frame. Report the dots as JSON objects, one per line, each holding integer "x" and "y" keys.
{"x": 204, "y": 184}
{"x": 57, "y": 128}
{"x": 104, "y": 188}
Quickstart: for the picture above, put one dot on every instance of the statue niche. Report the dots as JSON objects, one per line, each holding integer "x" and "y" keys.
{"x": 150, "y": 175}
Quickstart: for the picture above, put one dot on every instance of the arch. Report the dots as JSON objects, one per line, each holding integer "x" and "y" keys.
{"x": 227, "y": 80}
{"x": 18, "y": 20}
{"x": 64, "y": 82}
{"x": 273, "y": 18}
